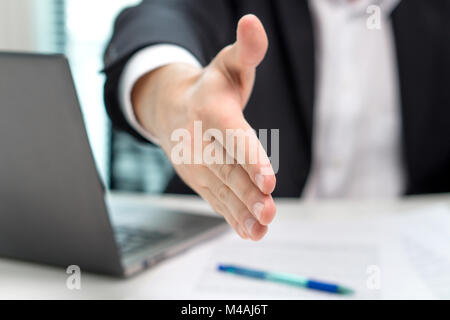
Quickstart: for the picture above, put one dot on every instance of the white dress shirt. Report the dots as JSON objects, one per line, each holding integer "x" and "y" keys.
{"x": 357, "y": 129}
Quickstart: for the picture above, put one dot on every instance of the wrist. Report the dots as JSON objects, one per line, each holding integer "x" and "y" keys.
{"x": 158, "y": 97}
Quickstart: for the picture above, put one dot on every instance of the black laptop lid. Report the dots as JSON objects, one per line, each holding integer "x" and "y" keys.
{"x": 51, "y": 199}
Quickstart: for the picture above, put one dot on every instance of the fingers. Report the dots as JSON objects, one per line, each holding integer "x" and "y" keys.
{"x": 242, "y": 145}
{"x": 221, "y": 208}
{"x": 236, "y": 178}
{"x": 225, "y": 202}
{"x": 239, "y": 211}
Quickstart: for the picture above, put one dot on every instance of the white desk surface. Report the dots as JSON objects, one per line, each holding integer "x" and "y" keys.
{"x": 20, "y": 280}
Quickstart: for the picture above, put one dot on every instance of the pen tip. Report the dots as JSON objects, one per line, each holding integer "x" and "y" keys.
{"x": 347, "y": 291}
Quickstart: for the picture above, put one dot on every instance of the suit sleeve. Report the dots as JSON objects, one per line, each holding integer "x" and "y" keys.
{"x": 203, "y": 27}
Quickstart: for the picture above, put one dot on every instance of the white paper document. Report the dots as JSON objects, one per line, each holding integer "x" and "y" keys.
{"x": 394, "y": 256}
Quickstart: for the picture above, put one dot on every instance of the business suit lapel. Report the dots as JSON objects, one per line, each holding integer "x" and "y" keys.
{"x": 296, "y": 32}
{"x": 414, "y": 39}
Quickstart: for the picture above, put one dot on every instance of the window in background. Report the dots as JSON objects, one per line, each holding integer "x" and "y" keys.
{"x": 124, "y": 163}
{"x": 32, "y": 25}
{"x": 81, "y": 28}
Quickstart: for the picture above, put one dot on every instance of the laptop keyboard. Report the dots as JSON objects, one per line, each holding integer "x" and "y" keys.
{"x": 131, "y": 240}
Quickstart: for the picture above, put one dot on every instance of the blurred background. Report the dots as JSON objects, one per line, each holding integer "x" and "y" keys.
{"x": 74, "y": 28}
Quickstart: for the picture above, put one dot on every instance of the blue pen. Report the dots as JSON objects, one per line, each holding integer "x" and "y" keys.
{"x": 286, "y": 278}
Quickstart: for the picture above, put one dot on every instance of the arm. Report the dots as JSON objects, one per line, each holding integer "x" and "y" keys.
{"x": 177, "y": 95}
{"x": 201, "y": 27}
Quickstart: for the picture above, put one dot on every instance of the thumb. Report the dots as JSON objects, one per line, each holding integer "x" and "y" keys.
{"x": 251, "y": 44}
{"x": 241, "y": 59}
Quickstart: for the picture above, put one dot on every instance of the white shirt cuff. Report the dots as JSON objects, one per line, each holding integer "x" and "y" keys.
{"x": 141, "y": 63}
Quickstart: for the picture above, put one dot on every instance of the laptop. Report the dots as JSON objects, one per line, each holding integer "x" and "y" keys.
{"x": 53, "y": 206}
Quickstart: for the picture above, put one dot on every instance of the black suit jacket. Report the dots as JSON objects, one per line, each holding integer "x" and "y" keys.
{"x": 283, "y": 96}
